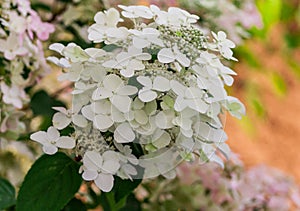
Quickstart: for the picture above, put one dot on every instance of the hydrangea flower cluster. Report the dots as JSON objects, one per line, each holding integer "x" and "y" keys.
{"x": 160, "y": 90}
{"x": 22, "y": 60}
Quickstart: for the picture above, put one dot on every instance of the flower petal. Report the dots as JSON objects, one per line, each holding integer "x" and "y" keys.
{"x": 112, "y": 82}
{"x": 79, "y": 120}
{"x": 178, "y": 88}
{"x": 89, "y": 175}
{"x": 166, "y": 55}
{"x": 101, "y": 93}
{"x": 111, "y": 166}
{"x": 122, "y": 103}
{"x": 164, "y": 119}
{"x": 58, "y": 47}
{"x": 40, "y": 137}
{"x": 161, "y": 84}
{"x": 65, "y": 142}
{"x": 147, "y": 95}
{"x": 105, "y": 182}
{"x": 145, "y": 81}
{"x": 102, "y": 122}
{"x": 141, "y": 117}
{"x": 60, "y": 120}
{"x": 50, "y": 149}
{"x": 87, "y": 112}
{"x": 124, "y": 133}
{"x": 92, "y": 161}
{"x": 127, "y": 90}
{"x": 52, "y": 134}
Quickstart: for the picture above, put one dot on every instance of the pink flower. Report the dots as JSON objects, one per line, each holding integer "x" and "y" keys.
{"x": 253, "y": 16}
{"x": 42, "y": 29}
{"x": 24, "y": 7}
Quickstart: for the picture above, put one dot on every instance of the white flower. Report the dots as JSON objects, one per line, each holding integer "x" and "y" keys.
{"x": 14, "y": 95}
{"x": 74, "y": 73}
{"x": 235, "y": 107}
{"x": 129, "y": 61}
{"x": 168, "y": 55}
{"x": 136, "y": 12}
{"x": 64, "y": 117}
{"x": 160, "y": 139}
{"x": 109, "y": 18}
{"x": 118, "y": 93}
{"x": 164, "y": 119}
{"x": 75, "y": 53}
{"x": 224, "y": 45}
{"x": 214, "y": 67}
{"x": 205, "y": 133}
{"x": 81, "y": 87}
{"x": 124, "y": 133}
{"x": 51, "y": 140}
{"x": 62, "y": 62}
{"x": 105, "y": 29}
{"x": 103, "y": 114}
{"x": 174, "y": 17}
{"x": 100, "y": 168}
{"x": 58, "y": 47}
{"x": 141, "y": 117}
{"x": 184, "y": 121}
{"x": 188, "y": 97}
{"x": 126, "y": 157}
{"x": 146, "y": 94}
{"x": 146, "y": 37}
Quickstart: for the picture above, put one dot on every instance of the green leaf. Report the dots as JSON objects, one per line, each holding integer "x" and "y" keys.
{"x": 122, "y": 188}
{"x": 50, "y": 184}
{"x": 41, "y": 104}
{"x": 7, "y": 194}
{"x": 75, "y": 205}
{"x": 132, "y": 204}
{"x": 116, "y": 199}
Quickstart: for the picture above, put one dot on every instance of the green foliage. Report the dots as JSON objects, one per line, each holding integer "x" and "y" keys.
{"x": 75, "y": 205}
{"x": 245, "y": 54}
{"x": 7, "y": 194}
{"x": 42, "y": 103}
{"x": 132, "y": 204}
{"x": 50, "y": 184}
{"x": 117, "y": 199}
{"x": 279, "y": 84}
{"x": 271, "y": 14}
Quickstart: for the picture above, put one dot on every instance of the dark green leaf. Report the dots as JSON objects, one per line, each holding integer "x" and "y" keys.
{"x": 132, "y": 204}
{"x": 7, "y": 194}
{"x": 122, "y": 188}
{"x": 50, "y": 184}
{"x": 75, "y": 205}
{"x": 41, "y": 104}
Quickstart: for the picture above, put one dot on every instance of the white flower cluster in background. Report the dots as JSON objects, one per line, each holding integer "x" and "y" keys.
{"x": 151, "y": 101}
